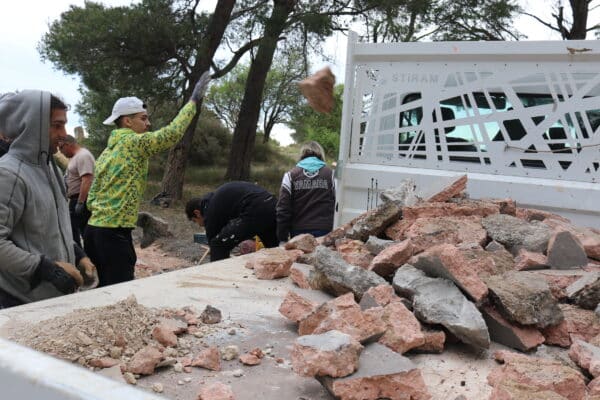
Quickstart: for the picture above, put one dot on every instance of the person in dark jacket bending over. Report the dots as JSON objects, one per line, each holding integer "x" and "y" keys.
{"x": 235, "y": 212}
{"x": 307, "y": 196}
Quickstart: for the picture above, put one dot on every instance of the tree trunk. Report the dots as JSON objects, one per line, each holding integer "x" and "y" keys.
{"x": 173, "y": 177}
{"x": 244, "y": 133}
{"x": 580, "y": 16}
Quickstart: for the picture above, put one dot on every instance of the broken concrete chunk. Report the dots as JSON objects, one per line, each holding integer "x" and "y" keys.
{"x": 523, "y": 298}
{"x": 305, "y": 242}
{"x": 344, "y": 315}
{"x": 342, "y": 277}
{"x": 403, "y": 331}
{"x": 587, "y": 356}
{"x": 565, "y": 252}
{"x": 374, "y": 223}
{"x": 391, "y": 258}
{"x": 439, "y": 301}
{"x": 529, "y": 260}
{"x": 272, "y": 263}
{"x": 446, "y": 261}
{"x": 216, "y": 391}
{"x": 510, "y": 334}
{"x": 514, "y": 233}
{"x": 295, "y": 307}
{"x": 211, "y": 315}
{"x": 453, "y": 190}
{"x": 376, "y": 245}
{"x": 230, "y": 352}
{"x": 382, "y": 374}
{"x": 332, "y": 353}
{"x": 577, "y": 322}
{"x": 152, "y": 227}
{"x": 164, "y": 335}
{"x": 209, "y": 358}
{"x": 354, "y": 252}
{"x": 585, "y": 292}
{"x": 404, "y": 194}
{"x": 378, "y": 296}
{"x": 494, "y": 246}
{"x": 144, "y": 361}
{"x": 536, "y": 375}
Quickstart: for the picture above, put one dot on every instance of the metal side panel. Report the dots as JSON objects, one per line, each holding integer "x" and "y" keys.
{"x": 26, "y": 374}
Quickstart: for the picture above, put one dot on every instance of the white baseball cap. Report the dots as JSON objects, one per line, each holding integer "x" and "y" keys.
{"x": 125, "y": 106}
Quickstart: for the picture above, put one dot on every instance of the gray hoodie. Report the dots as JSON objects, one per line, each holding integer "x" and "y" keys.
{"x": 34, "y": 215}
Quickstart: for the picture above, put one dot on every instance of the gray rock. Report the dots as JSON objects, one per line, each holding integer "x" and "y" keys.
{"x": 524, "y": 298}
{"x": 375, "y": 221}
{"x": 210, "y": 315}
{"x": 515, "y": 233}
{"x": 439, "y": 301}
{"x": 494, "y": 246}
{"x": 403, "y": 194}
{"x": 585, "y": 292}
{"x": 565, "y": 252}
{"x": 376, "y": 245}
{"x": 339, "y": 277}
{"x": 152, "y": 227}
{"x": 598, "y": 310}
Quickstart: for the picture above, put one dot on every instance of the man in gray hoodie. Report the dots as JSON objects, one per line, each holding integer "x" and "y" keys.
{"x": 37, "y": 255}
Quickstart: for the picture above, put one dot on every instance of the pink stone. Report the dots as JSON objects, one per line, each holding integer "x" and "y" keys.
{"x": 216, "y": 391}
{"x": 527, "y": 260}
{"x": 209, "y": 358}
{"x": 103, "y": 362}
{"x": 434, "y": 342}
{"x": 391, "y": 258}
{"x": 305, "y": 242}
{"x": 403, "y": 331}
{"x": 145, "y": 360}
{"x": 295, "y": 307}
{"x": 558, "y": 283}
{"x": 587, "y": 356}
{"x": 344, "y": 315}
{"x": 434, "y": 210}
{"x": 427, "y": 232}
{"x": 164, "y": 335}
{"x": 333, "y": 354}
{"x": 272, "y": 263}
{"x": 300, "y": 275}
{"x": 249, "y": 359}
{"x": 537, "y": 374}
{"x": 294, "y": 254}
{"x": 318, "y": 90}
{"x": 354, "y": 252}
{"x": 382, "y": 294}
{"x": 532, "y": 214}
{"x": 396, "y": 230}
{"x": 577, "y": 322}
{"x": 594, "y": 388}
{"x": 447, "y": 261}
{"x": 453, "y": 190}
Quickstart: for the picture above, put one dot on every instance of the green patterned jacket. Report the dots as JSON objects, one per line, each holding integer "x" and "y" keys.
{"x": 122, "y": 171}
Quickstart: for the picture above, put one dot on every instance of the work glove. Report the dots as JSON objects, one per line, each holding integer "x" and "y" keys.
{"x": 89, "y": 273}
{"x": 62, "y": 275}
{"x": 79, "y": 208}
{"x": 200, "y": 88}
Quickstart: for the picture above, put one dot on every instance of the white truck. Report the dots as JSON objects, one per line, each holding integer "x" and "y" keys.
{"x": 520, "y": 119}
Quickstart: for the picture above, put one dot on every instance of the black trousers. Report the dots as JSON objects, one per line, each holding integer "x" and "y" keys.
{"x": 112, "y": 252}
{"x": 262, "y": 223}
{"x": 7, "y": 300}
{"x": 78, "y": 222}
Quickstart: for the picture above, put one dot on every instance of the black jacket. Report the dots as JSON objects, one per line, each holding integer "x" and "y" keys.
{"x": 306, "y": 201}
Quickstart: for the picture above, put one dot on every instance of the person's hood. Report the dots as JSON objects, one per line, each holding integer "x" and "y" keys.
{"x": 25, "y": 118}
{"x": 311, "y": 164}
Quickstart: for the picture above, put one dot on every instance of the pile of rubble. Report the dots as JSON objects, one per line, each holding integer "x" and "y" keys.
{"x": 413, "y": 275}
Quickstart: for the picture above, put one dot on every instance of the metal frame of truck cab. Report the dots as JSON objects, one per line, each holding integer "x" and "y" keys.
{"x": 521, "y": 119}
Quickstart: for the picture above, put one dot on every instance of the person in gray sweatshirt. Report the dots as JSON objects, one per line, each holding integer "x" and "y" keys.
{"x": 37, "y": 254}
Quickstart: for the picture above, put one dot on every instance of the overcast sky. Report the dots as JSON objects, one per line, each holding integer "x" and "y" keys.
{"x": 22, "y": 24}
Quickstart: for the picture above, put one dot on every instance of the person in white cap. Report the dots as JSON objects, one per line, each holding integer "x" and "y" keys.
{"x": 120, "y": 181}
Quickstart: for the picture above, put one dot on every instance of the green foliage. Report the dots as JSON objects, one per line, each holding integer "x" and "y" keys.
{"x": 329, "y": 139}
{"x": 211, "y": 142}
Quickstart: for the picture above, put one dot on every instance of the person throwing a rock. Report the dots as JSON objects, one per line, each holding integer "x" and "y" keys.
{"x": 235, "y": 212}
{"x": 120, "y": 181}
